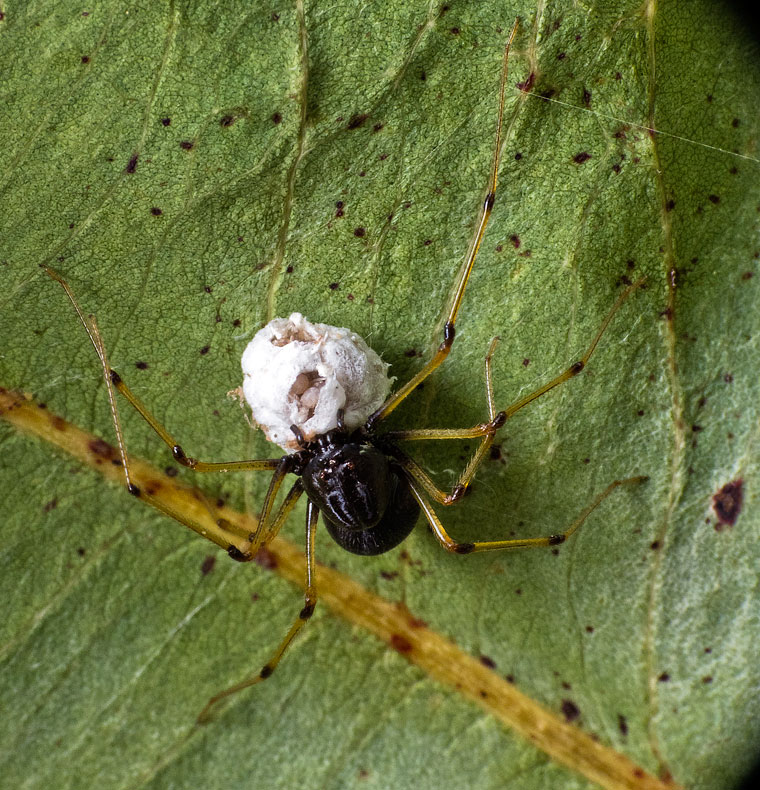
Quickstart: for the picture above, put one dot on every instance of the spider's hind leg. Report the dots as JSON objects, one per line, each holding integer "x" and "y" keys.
{"x": 310, "y": 603}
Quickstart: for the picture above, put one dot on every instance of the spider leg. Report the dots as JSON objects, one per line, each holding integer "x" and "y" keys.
{"x": 455, "y": 547}
{"x": 114, "y": 382}
{"x": 448, "y": 330}
{"x": 460, "y": 487}
{"x": 498, "y": 419}
{"x": 310, "y": 602}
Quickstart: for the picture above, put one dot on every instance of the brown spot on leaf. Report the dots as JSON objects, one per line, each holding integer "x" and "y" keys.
{"x": 265, "y": 559}
{"x": 582, "y": 157}
{"x": 570, "y": 710}
{"x": 357, "y": 120}
{"x": 401, "y": 644}
{"x": 101, "y": 449}
{"x": 727, "y": 503}
{"x": 208, "y": 565}
{"x": 132, "y": 164}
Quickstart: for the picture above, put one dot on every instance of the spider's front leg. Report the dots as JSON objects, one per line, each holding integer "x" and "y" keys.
{"x": 449, "y": 330}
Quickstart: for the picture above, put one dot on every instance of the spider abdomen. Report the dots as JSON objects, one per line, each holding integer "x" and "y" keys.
{"x": 365, "y": 501}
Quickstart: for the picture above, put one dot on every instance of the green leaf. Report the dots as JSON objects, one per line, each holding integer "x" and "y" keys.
{"x": 156, "y": 156}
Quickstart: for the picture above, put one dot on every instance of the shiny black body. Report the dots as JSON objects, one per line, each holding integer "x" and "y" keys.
{"x": 361, "y": 492}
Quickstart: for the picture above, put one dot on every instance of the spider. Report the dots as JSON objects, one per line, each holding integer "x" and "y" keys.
{"x": 369, "y": 491}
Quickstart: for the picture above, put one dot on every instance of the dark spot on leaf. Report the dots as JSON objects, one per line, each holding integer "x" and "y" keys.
{"x": 171, "y": 471}
{"x": 495, "y": 452}
{"x": 410, "y": 352}
{"x": 735, "y": 123}
{"x": 622, "y": 724}
{"x": 423, "y": 76}
{"x": 360, "y": 232}
{"x": 654, "y": 545}
{"x": 339, "y": 209}
{"x": 518, "y": 156}
{"x": 187, "y": 145}
{"x": 265, "y": 559}
{"x": 205, "y": 350}
{"x": 388, "y": 575}
{"x": 276, "y": 117}
{"x": 582, "y": 157}
{"x": 132, "y": 164}
{"x": 587, "y": 97}
{"x": 713, "y": 198}
{"x": 85, "y": 59}
{"x": 589, "y": 629}
{"x": 664, "y": 677}
{"x": 640, "y": 412}
{"x": 696, "y": 428}
{"x": 528, "y": 84}
{"x": 288, "y": 270}
{"x": 728, "y": 378}
{"x": 275, "y": 17}
{"x": 561, "y": 55}
{"x": 208, "y": 565}
{"x": 156, "y": 212}
{"x": 427, "y": 242}
{"x": 334, "y": 286}
{"x": 81, "y": 551}
{"x": 227, "y": 120}
{"x": 208, "y": 289}
{"x": 377, "y": 127}
{"x": 357, "y": 120}
{"x": 747, "y": 276}
{"x": 618, "y": 75}
{"x": 140, "y": 365}
{"x": 401, "y": 644}
{"x": 570, "y": 710}
{"x": 727, "y": 503}
{"x": 166, "y": 121}
{"x": 100, "y": 448}
{"x": 515, "y": 239}
{"x": 670, "y": 205}
{"x": 707, "y": 679}
{"x": 455, "y": 31}
{"x": 51, "y": 505}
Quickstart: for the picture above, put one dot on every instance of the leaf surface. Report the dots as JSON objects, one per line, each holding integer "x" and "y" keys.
{"x": 191, "y": 180}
